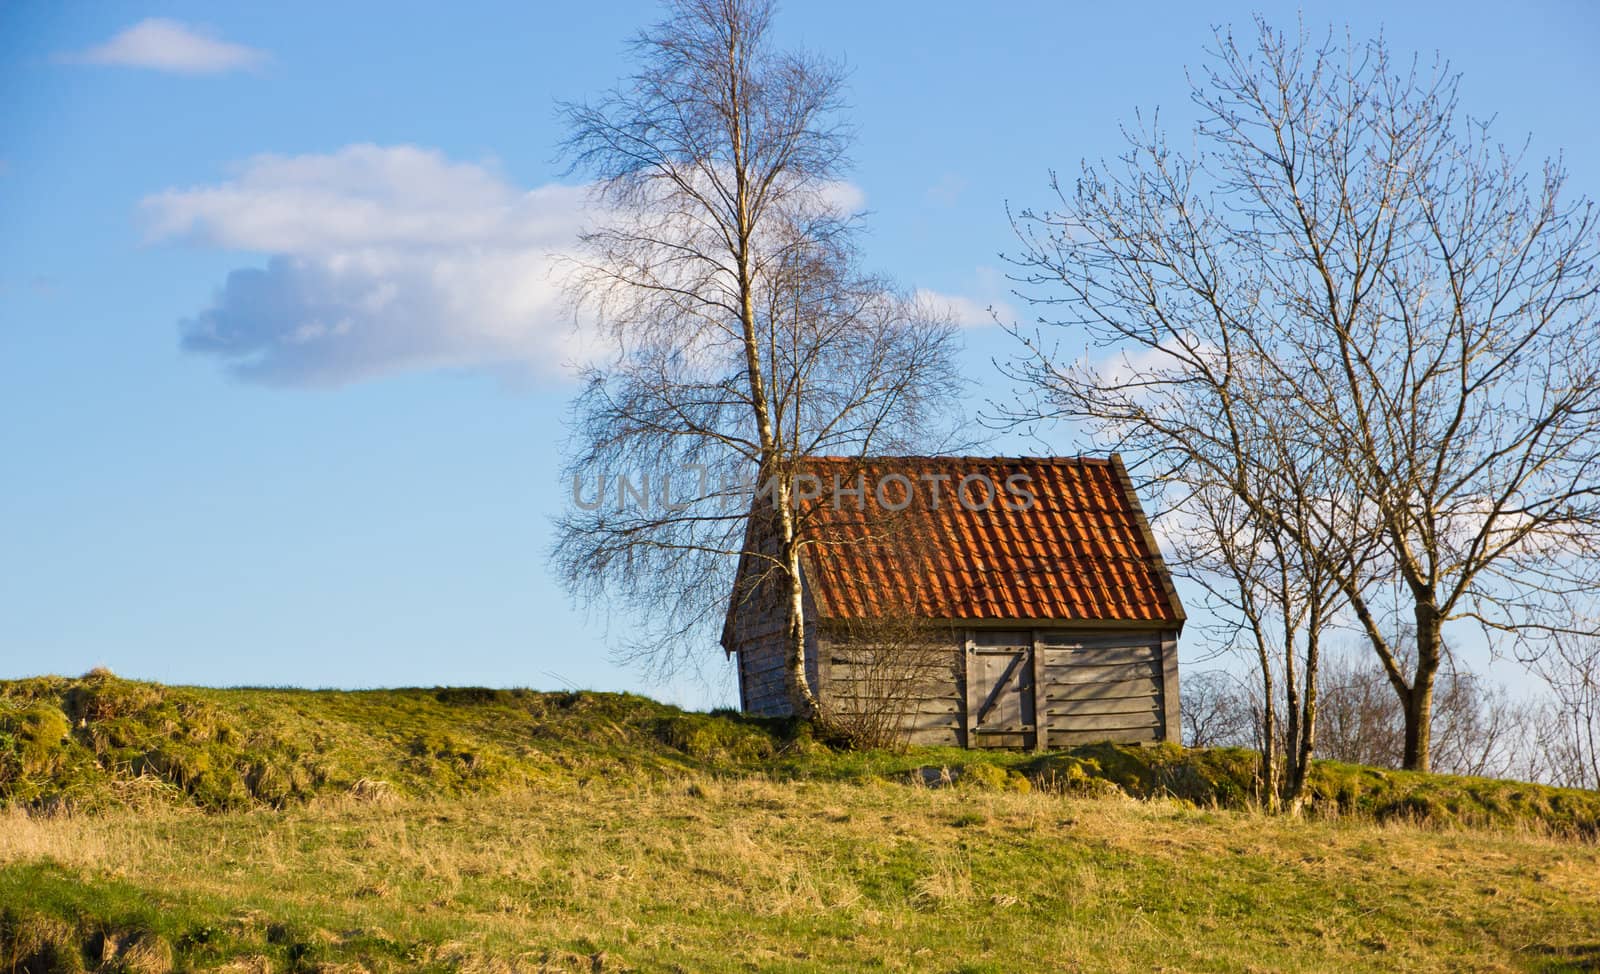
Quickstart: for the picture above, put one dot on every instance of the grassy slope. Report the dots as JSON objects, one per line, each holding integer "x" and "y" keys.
{"x": 474, "y": 830}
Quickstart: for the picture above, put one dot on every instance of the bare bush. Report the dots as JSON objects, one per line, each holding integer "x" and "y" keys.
{"x": 1479, "y": 728}
{"x": 1217, "y": 711}
{"x": 884, "y": 668}
{"x": 1569, "y": 733}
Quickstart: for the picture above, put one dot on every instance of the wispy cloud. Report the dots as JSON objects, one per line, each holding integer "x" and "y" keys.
{"x": 980, "y": 307}
{"x": 380, "y": 259}
{"x": 172, "y": 46}
{"x": 964, "y": 311}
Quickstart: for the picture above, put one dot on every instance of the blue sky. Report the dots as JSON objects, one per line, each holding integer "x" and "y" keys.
{"x": 373, "y": 507}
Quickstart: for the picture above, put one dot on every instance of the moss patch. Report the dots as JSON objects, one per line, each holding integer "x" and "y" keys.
{"x": 102, "y": 742}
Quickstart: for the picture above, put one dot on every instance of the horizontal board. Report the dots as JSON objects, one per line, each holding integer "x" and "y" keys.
{"x": 1114, "y": 641}
{"x": 936, "y": 738}
{"x": 1088, "y": 722}
{"x": 943, "y": 656}
{"x": 1002, "y": 637}
{"x": 932, "y": 711}
{"x": 1002, "y": 740}
{"x": 859, "y": 700}
{"x": 857, "y": 691}
{"x": 1100, "y": 674}
{"x": 1149, "y": 704}
{"x": 1068, "y": 738}
{"x": 935, "y": 683}
{"x": 915, "y": 683}
{"x": 750, "y": 634}
{"x": 764, "y": 664}
{"x": 872, "y": 691}
{"x": 859, "y": 694}
{"x": 1007, "y": 729}
{"x": 760, "y": 630}
{"x": 1108, "y": 690}
{"x": 1098, "y": 657}
{"x": 942, "y": 663}
{"x": 933, "y": 720}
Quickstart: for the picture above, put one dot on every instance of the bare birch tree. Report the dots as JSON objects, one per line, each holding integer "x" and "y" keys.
{"x": 743, "y": 336}
{"x": 1424, "y": 307}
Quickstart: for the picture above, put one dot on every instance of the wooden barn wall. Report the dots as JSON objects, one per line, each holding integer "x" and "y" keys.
{"x": 1076, "y": 686}
{"x": 932, "y": 694}
{"x": 759, "y": 641}
{"x": 1105, "y": 686}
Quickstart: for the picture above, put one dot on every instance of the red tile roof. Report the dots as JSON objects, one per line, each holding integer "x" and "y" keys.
{"x": 1081, "y": 551}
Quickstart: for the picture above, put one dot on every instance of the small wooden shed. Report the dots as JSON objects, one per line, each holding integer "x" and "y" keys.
{"x": 1038, "y": 591}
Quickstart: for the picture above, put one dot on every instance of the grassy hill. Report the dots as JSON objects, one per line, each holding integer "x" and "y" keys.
{"x": 148, "y": 827}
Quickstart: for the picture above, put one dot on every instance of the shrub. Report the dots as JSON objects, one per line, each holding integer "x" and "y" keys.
{"x": 709, "y": 738}
{"x": 41, "y": 732}
{"x": 992, "y": 777}
{"x": 35, "y": 942}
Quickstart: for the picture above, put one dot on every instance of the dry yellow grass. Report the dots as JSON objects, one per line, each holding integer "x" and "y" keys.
{"x": 750, "y": 874}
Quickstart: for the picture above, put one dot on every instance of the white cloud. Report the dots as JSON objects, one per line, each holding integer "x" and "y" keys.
{"x": 380, "y": 259}
{"x": 966, "y": 312}
{"x": 170, "y": 45}
{"x": 969, "y": 311}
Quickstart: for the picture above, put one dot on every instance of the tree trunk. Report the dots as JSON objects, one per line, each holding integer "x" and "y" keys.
{"x": 1269, "y": 736}
{"x": 1291, "y": 720}
{"x": 1300, "y": 756}
{"x": 1419, "y": 702}
{"x": 801, "y": 697}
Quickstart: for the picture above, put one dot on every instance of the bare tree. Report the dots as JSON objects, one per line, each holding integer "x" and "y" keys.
{"x": 1425, "y": 312}
{"x": 1569, "y": 737}
{"x": 1268, "y": 596}
{"x": 743, "y": 337}
{"x": 1217, "y": 711}
{"x": 1478, "y": 727}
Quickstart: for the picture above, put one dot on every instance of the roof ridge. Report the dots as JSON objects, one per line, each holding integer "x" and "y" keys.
{"x": 1096, "y": 459}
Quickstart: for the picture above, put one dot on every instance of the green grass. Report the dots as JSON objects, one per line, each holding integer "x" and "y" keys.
{"x": 150, "y": 827}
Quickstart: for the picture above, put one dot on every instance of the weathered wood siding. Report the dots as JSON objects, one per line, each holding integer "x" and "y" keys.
{"x": 930, "y": 696}
{"x": 1025, "y": 688}
{"x": 1106, "y": 686}
{"x": 758, "y": 639}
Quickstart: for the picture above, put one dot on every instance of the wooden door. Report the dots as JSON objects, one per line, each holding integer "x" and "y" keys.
{"x": 1000, "y": 689}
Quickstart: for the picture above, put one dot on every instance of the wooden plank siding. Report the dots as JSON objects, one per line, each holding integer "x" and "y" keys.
{"x": 756, "y": 635}
{"x": 1107, "y": 686}
{"x": 1061, "y": 687}
{"x": 997, "y": 687}
{"x": 933, "y": 705}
